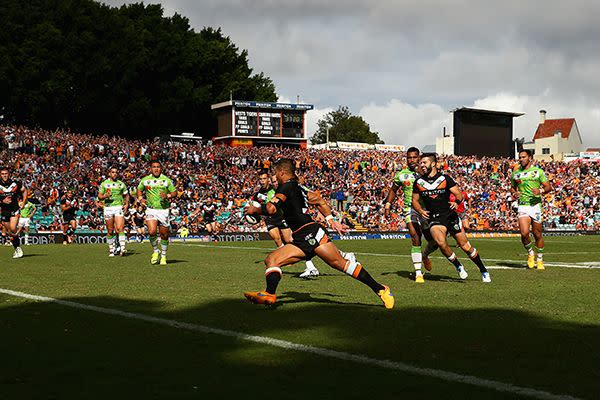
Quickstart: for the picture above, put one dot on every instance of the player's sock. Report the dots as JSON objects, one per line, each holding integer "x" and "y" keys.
{"x": 356, "y": 270}
{"x": 310, "y": 265}
{"x": 164, "y": 244}
{"x": 65, "y": 238}
{"x": 529, "y": 248}
{"x": 16, "y": 241}
{"x": 474, "y": 256}
{"x": 122, "y": 240}
{"x": 540, "y": 254}
{"x": 111, "y": 243}
{"x": 26, "y": 238}
{"x": 154, "y": 243}
{"x": 430, "y": 248}
{"x": 417, "y": 258}
{"x": 273, "y": 276}
{"x": 455, "y": 261}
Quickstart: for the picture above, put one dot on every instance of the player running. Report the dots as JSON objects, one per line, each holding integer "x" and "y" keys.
{"x": 530, "y": 182}
{"x": 434, "y": 189}
{"x": 27, "y": 213}
{"x": 138, "y": 216}
{"x": 405, "y": 178}
{"x": 115, "y": 197}
{"x": 308, "y": 237}
{"x": 68, "y": 206}
{"x": 13, "y": 195}
{"x": 158, "y": 190}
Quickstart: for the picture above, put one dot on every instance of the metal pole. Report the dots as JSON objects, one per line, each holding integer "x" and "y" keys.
{"x": 327, "y": 145}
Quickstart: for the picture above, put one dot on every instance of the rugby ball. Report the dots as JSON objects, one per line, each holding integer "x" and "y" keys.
{"x": 252, "y": 218}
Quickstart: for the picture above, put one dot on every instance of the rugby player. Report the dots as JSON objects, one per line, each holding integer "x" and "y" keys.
{"x": 308, "y": 237}
{"x": 13, "y": 195}
{"x": 115, "y": 197}
{"x": 277, "y": 228}
{"x": 137, "y": 218}
{"x": 405, "y": 178}
{"x": 68, "y": 206}
{"x": 434, "y": 189}
{"x": 529, "y": 182}
{"x": 27, "y": 212}
{"x": 158, "y": 189}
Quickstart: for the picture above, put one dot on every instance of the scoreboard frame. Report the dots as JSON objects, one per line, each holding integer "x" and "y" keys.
{"x": 246, "y": 123}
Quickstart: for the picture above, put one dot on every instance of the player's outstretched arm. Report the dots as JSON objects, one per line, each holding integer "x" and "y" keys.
{"x": 315, "y": 199}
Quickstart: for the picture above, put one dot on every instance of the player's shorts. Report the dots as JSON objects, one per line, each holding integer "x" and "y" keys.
{"x": 9, "y": 212}
{"x": 138, "y": 222}
{"x": 24, "y": 222}
{"x": 451, "y": 221}
{"x": 276, "y": 222}
{"x": 411, "y": 215}
{"x": 113, "y": 211}
{"x": 68, "y": 217}
{"x": 309, "y": 237}
{"x": 533, "y": 212}
{"x": 162, "y": 216}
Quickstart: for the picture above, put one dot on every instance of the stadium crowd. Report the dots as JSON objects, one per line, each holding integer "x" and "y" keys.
{"x": 356, "y": 182}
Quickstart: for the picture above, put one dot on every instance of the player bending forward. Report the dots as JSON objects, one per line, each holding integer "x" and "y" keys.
{"x": 308, "y": 237}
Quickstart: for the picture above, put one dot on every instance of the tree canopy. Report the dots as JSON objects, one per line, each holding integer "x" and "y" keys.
{"x": 132, "y": 71}
{"x": 345, "y": 127}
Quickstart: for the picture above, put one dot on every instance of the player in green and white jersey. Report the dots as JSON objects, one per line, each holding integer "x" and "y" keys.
{"x": 529, "y": 182}
{"x": 404, "y": 179}
{"x": 27, "y": 212}
{"x": 158, "y": 190}
{"x": 115, "y": 197}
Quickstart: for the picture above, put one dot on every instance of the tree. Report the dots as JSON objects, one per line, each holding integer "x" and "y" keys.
{"x": 131, "y": 71}
{"x": 344, "y": 127}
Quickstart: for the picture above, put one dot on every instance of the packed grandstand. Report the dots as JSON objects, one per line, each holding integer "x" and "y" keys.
{"x": 356, "y": 182}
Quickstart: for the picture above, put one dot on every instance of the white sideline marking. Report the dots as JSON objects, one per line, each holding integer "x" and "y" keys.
{"x": 284, "y": 344}
{"x": 580, "y": 265}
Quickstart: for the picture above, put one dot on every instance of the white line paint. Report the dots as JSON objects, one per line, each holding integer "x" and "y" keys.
{"x": 284, "y": 344}
{"x": 583, "y": 265}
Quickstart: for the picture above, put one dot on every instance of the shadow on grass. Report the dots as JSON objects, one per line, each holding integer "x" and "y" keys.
{"x": 410, "y": 275}
{"x": 56, "y": 352}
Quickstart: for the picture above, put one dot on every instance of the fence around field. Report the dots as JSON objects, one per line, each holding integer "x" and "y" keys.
{"x": 89, "y": 237}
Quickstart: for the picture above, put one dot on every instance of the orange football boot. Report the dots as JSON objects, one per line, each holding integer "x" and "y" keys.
{"x": 260, "y": 297}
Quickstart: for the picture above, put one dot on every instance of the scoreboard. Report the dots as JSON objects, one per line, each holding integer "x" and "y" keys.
{"x": 260, "y": 120}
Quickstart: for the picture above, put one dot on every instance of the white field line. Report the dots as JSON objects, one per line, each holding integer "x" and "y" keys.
{"x": 340, "y": 355}
{"x": 582, "y": 265}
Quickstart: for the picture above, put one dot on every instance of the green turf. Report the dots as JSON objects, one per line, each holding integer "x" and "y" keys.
{"x": 538, "y": 329}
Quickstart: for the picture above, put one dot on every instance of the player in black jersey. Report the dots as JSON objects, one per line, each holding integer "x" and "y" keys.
{"x": 434, "y": 189}
{"x": 13, "y": 196}
{"x": 138, "y": 218}
{"x": 277, "y": 228}
{"x": 308, "y": 237}
{"x": 68, "y": 205}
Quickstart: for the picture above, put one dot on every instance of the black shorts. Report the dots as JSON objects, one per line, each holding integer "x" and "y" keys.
{"x": 309, "y": 237}
{"x": 68, "y": 217}
{"x": 139, "y": 223}
{"x": 8, "y": 212}
{"x": 276, "y": 222}
{"x": 450, "y": 221}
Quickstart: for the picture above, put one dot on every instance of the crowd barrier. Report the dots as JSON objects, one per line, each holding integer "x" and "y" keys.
{"x": 99, "y": 237}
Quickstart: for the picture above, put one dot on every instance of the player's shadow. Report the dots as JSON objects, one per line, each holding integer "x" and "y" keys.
{"x": 318, "y": 298}
{"x": 176, "y": 261}
{"x": 33, "y": 255}
{"x": 410, "y": 275}
{"x": 510, "y": 264}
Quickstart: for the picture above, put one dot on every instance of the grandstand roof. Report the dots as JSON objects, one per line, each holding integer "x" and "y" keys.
{"x": 552, "y": 126}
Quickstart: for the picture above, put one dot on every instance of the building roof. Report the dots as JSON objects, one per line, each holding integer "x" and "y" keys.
{"x": 551, "y": 126}
{"x": 592, "y": 149}
{"x": 480, "y": 110}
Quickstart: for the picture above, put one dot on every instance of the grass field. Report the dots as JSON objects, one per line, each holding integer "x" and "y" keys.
{"x": 531, "y": 329}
